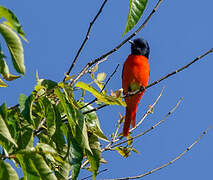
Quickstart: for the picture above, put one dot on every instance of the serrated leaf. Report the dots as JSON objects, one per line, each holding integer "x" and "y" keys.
{"x": 95, "y": 157}
{"x": 136, "y": 9}
{"x": 7, "y": 172}
{"x": 5, "y": 136}
{"x": 13, "y": 21}
{"x": 100, "y": 96}
{"x": 15, "y": 47}
{"x": 93, "y": 123}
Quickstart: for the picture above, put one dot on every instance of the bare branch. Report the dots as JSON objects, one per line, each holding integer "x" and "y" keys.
{"x": 86, "y": 38}
{"x": 149, "y": 111}
{"x": 168, "y": 163}
{"x": 171, "y": 74}
{"x": 145, "y": 115}
{"x": 91, "y": 175}
{"x": 161, "y": 79}
{"x": 83, "y": 71}
{"x": 157, "y": 124}
{"x": 95, "y": 109}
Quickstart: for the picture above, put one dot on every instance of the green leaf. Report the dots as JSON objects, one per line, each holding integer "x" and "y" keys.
{"x": 136, "y": 9}
{"x": 48, "y": 84}
{"x": 66, "y": 107}
{"x": 26, "y": 104}
{"x": 35, "y": 167}
{"x": 4, "y": 70}
{"x": 59, "y": 137}
{"x": 123, "y": 151}
{"x": 94, "y": 157}
{"x": 15, "y": 47}
{"x": 75, "y": 119}
{"x": 48, "y": 150}
{"x": 5, "y": 136}
{"x": 100, "y": 96}
{"x": 93, "y": 123}
{"x": 25, "y": 139}
{"x": 2, "y": 83}
{"x": 62, "y": 173}
{"x": 4, "y": 111}
{"x": 75, "y": 155}
{"x": 50, "y": 117}
{"x": 7, "y": 172}
{"x": 13, "y": 21}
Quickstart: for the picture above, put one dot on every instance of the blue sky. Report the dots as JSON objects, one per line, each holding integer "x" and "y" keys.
{"x": 177, "y": 33}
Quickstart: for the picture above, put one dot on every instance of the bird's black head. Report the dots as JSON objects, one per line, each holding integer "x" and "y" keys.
{"x": 140, "y": 47}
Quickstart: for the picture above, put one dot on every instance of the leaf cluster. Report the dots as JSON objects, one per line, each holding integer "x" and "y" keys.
{"x": 10, "y": 29}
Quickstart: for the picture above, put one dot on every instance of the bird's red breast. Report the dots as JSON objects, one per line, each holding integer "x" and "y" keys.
{"x": 135, "y": 74}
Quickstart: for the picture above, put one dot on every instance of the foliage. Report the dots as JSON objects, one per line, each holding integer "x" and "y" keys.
{"x": 136, "y": 9}
{"x": 50, "y": 133}
{"x": 9, "y": 30}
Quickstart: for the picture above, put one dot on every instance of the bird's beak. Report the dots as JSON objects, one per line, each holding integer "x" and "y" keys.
{"x": 131, "y": 42}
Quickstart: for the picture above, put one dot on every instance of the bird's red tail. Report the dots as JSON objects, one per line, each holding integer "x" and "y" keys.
{"x": 131, "y": 109}
{"x": 129, "y": 119}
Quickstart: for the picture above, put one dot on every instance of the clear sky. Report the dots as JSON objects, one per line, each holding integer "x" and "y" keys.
{"x": 177, "y": 33}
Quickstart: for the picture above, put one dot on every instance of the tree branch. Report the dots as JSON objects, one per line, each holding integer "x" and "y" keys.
{"x": 83, "y": 71}
{"x": 149, "y": 110}
{"x": 157, "y": 124}
{"x": 170, "y": 74}
{"x": 97, "y": 174}
{"x": 86, "y": 38}
{"x": 145, "y": 115}
{"x": 168, "y": 163}
{"x": 142, "y": 88}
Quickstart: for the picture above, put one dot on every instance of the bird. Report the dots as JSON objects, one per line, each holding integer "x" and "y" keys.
{"x": 135, "y": 74}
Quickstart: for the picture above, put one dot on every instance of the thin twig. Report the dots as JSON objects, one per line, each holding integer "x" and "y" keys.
{"x": 171, "y": 74}
{"x": 40, "y": 127}
{"x": 142, "y": 88}
{"x": 91, "y": 175}
{"x": 142, "y": 119}
{"x": 95, "y": 109}
{"x": 168, "y": 163}
{"x": 86, "y": 38}
{"x": 157, "y": 124}
{"x": 149, "y": 110}
{"x": 118, "y": 46}
{"x": 110, "y": 77}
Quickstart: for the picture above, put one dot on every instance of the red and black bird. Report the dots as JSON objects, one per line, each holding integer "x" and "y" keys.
{"x": 135, "y": 74}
